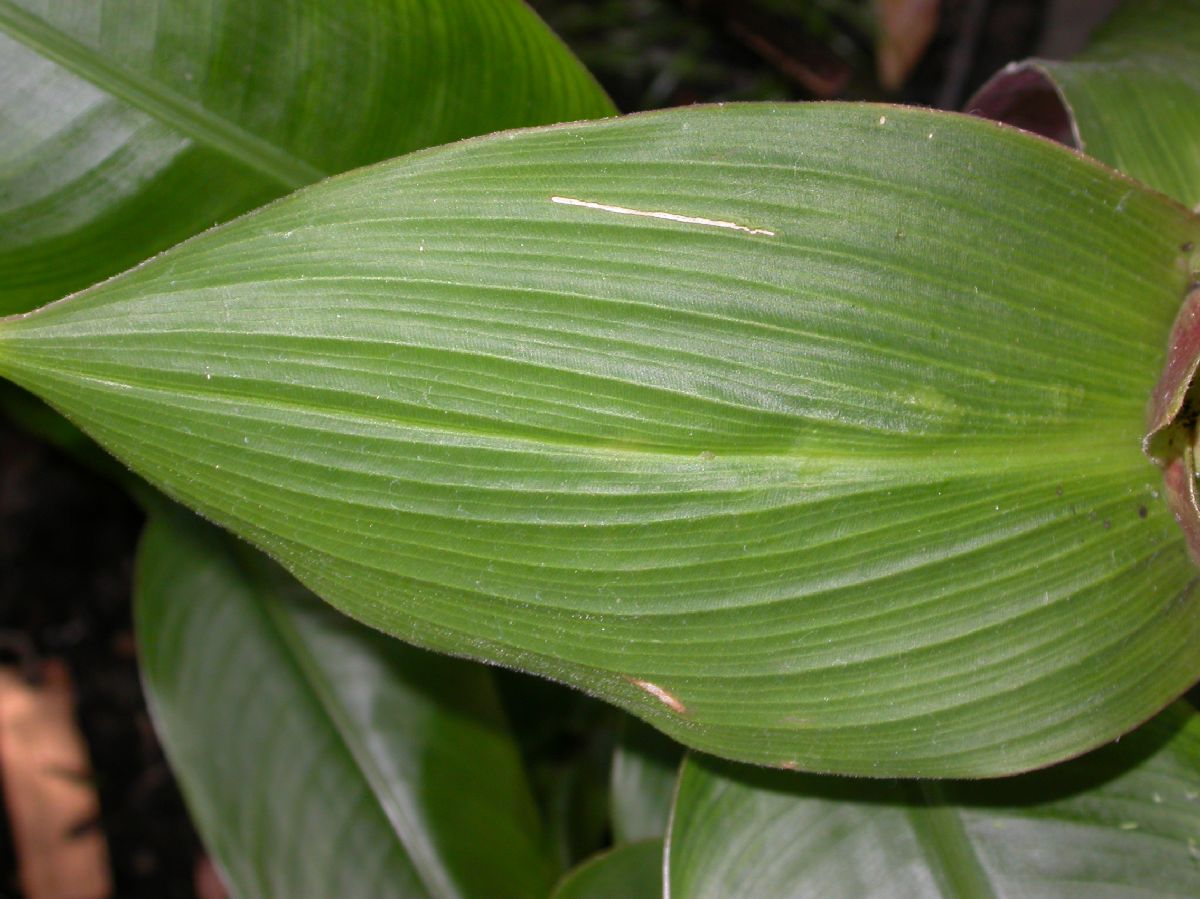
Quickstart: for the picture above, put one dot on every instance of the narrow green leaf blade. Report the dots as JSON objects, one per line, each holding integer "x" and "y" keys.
{"x": 319, "y": 758}
{"x": 644, "y": 767}
{"x": 1132, "y": 99}
{"x": 822, "y": 449}
{"x": 1122, "y": 821}
{"x": 125, "y": 128}
{"x": 632, "y": 871}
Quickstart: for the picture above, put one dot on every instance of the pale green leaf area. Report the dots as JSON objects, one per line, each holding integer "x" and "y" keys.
{"x": 1133, "y": 97}
{"x": 642, "y": 782}
{"x": 319, "y": 758}
{"x": 820, "y": 449}
{"x": 126, "y": 127}
{"x": 1123, "y": 821}
{"x": 631, "y": 871}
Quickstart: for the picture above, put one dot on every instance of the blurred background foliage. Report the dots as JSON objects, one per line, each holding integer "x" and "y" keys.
{"x": 654, "y": 53}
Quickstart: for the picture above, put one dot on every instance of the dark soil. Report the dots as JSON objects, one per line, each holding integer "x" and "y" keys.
{"x": 67, "y": 536}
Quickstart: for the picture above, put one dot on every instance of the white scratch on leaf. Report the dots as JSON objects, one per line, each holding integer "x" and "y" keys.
{"x": 668, "y": 216}
{"x": 661, "y": 695}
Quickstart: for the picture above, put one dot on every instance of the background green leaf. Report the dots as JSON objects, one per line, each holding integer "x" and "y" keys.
{"x": 1122, "y": 821}
{"x": 632, "y": 871}
{"x": 1132, "y": 99}
{"x": 821, "y": 449}
{"x": 128, "y": 127}
{"x": 644, "y": 766}
{"x": 566, "y": 741}
{"x": 320, "y": 758}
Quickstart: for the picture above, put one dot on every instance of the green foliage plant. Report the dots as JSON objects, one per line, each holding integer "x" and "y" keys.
{"x": 814, "y": 436}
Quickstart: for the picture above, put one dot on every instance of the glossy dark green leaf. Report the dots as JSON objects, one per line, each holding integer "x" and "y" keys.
{"x": 632, "y": 871}
{"x": 1132, "y": 99}
{"x": 1123, "y": 821}
{"x": 127, "y": 127}
{"x": 644, "y": 767}
{"x": 817, "y": 449}
{"x": 319, "y": 758}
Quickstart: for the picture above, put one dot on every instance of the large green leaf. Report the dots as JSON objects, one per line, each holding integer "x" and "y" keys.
{"x": 818, "y": 449}
{"x": 127, "y": 127}
{"x": 320, "y": 758}
{"x": 1122, "y": 821}
{"x": 1132, "y": 99}
{"x": 632, "y": 871}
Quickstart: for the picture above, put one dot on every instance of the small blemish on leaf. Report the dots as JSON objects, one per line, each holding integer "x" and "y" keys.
{"x": 1142, "y": 512}
{"x": 663, "y": 696}
{"x": 660, "y": 214}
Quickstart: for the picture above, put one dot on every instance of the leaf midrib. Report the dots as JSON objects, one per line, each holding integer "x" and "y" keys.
{"x": 944, "y": 841}
{"x": 1052, "y": 451}
{"x": 158, "y": 101}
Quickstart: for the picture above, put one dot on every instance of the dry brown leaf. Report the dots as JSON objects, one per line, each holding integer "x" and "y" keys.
{"x": 905, "y": 29}
{"x": 207, "y": 880}
{"x": 52, "y": 804}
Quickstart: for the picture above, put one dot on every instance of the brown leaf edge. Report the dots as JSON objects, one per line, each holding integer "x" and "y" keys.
{"x": 1025, "y": 95}
{"x": 1171, "y": 420}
